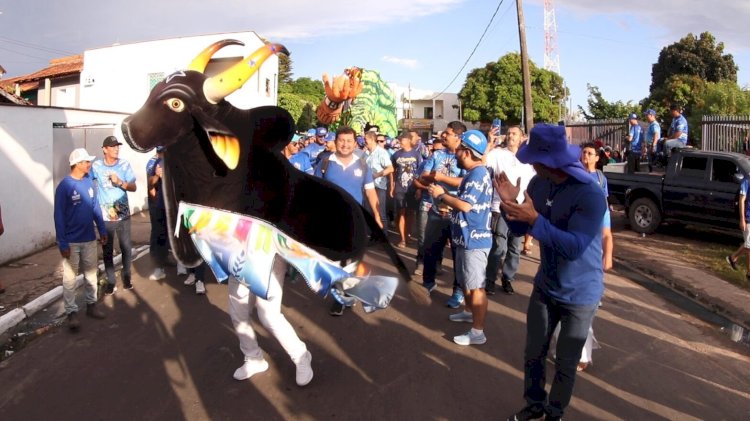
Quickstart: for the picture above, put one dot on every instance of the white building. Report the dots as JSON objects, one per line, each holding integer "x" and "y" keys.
{"x": 423, "y": 110}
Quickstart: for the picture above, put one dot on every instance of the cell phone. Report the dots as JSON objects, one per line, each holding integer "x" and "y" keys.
{"x": 496, "y": 123}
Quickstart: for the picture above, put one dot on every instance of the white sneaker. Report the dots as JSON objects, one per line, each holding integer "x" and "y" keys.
{"x": 250, "y": 368}
{"x": 200, "y": 289}
{"x": 304, "y": 369}
{"x": 463, "y": 316}
{"x": 190, "y": 279}
{"x": 158, "y": 275}
{"x": 181, "y": 270}
{"x": 469, "y": 338}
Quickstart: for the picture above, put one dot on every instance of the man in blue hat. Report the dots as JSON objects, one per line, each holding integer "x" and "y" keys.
{"x": 471, "y": 235}
{"x": 651, "y": 139}
{"x": 559, "y": 208}
{"x": 314, "y": 149}
{"x": 634, "y": 140}
{"x": 299, "y": 160}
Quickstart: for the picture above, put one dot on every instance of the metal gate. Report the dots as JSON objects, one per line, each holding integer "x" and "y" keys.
{"x": 728, "y": 133}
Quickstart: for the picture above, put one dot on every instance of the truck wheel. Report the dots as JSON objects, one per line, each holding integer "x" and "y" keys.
{"x": 644, "y": 216}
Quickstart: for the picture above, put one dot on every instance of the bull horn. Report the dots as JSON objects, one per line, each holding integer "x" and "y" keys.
{"x": 200, "y": 62}
{"x": 218, "y": 87}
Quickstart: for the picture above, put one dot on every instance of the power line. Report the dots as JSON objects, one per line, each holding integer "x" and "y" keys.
{"x": 34, "y": 46}
{"x": 472, "y": 51}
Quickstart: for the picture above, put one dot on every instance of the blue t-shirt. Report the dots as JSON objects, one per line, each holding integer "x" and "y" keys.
{"x": 444, "y": 162}
{"x": 312, "y": 151}
{"x": 653, "y": 130}
{"x": 426, "y": 203}
{"x": 158, "y": 201}
{"x": 472, "y": 230}
{"x": 354, "y": 178}
{"x": 635, "y": 138}
{"x": 76, "y": 210}
{"x": 112, "y": 199}
{"x": 378, "y": 160}
{"x": 679, "y": 124}
{"x": 607, "y": 222}
{"x": 743, "y": 192}
{"x": 301, "y": 162}
{"x": 571, "y": 246}
{"x": 406, "y": 165}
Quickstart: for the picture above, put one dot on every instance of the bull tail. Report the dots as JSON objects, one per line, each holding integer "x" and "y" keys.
{"x": 379, "y": 235}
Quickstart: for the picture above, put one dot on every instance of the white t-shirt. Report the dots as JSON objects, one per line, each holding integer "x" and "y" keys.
{"x": 502, "y": 160}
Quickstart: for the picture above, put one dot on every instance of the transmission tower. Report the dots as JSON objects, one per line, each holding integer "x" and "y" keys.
{"x": 551, "y": 55}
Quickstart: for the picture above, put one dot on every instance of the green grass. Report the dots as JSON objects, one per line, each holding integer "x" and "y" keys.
{"x": 711, "y": 256}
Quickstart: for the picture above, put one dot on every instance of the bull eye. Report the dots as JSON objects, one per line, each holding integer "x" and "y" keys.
{"x": 175, "y": 104}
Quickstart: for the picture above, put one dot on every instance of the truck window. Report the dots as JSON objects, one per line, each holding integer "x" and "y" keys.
{"x": 693, "y": 167}
{"x": 723, "y": 171}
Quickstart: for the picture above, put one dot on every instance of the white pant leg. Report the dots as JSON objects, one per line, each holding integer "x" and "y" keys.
{"x": 269, "y": 313}
{"x": 70, "y": 271}
{"x": 241, "y": 303}
{"x": 89, "y": 267}
{"x": 587, "y": 353}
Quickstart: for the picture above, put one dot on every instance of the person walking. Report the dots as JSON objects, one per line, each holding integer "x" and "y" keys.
{"x": 158, "y": 243}
{"x": 379, "y": 162}
{"x": 558, "y": 207}
{"x": 76, "y": 211}
{"x": 406, "y": 161}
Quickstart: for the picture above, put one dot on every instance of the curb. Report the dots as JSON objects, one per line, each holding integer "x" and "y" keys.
{"x": 12, "y": 318}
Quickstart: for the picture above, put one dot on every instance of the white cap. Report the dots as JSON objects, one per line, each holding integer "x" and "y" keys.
{"x": 79, "y": 155}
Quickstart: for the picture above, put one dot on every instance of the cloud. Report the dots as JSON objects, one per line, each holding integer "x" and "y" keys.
{"x": 405, "y": 62}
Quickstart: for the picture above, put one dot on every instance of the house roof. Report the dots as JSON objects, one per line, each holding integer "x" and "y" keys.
{"x": 8, "y": 97}
{"x": 58, "y": 67}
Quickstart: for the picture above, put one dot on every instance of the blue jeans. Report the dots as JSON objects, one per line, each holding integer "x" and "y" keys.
{"x": 506, "y": 246}
{"x": 122, "y": 229}
{"x": 672, "y": 144}
{"x": 158, "y": 244}
{"x": 421, "y": 227}
{"x": 543, "y": 314}
{"x": 437, "y": 232}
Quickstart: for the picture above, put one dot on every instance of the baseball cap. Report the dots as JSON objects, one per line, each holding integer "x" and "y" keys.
{"x": 633, "y": 116}
{"x": 321, "y": 131}
{"x": 311, "y": 133}
{"x": 79, "y": 155}
{"x": 110, "y": 141}
{"x": 476, "y": 141}
{"x": 160, "y": 148}
{"x": 650, "y": 111}
{"x": 330, "y": 136}
{"x": 296, "y": 138}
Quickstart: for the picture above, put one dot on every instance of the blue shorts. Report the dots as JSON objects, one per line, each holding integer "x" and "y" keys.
{"x": 471, "y": 266}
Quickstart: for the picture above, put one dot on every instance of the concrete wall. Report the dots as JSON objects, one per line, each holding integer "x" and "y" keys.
{"x": 34, "y": 146}
{"x": 64, "y": 92}
{"x": 119, "y": 78}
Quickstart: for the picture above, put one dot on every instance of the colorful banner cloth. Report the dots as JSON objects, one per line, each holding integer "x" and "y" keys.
{"x": 245, "y": 247}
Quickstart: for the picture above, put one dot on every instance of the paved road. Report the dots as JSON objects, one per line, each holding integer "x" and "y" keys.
{"x": 165, "y": 353}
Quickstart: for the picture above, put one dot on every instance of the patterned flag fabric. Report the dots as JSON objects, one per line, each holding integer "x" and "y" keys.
{"x": 245, "y": 247}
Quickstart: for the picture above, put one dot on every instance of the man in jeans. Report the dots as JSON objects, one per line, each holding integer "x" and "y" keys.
{"x": 114, "y": 178}
{"x": 76, "y": 209}
{"x": 559, "y": 209}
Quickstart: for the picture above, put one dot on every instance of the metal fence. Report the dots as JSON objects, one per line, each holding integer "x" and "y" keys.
{"x": 609, "y": 131}
{"x": 727, "y": 133}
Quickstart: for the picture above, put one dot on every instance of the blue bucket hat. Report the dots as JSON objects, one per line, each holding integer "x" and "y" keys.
{"x": 548, "y": 145}
{"x": 476, "y": 141}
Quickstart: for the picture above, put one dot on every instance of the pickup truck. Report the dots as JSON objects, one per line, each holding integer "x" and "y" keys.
{"x": 696, "y": 187}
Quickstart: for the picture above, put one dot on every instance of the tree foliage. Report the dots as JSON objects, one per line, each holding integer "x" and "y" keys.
{"x": 698, "y": 56}
{"x": 600, "y": 108}
{"x": 299, "y": 96}
{"x": 285, "y": 69}
{"x": 496, "y": 91}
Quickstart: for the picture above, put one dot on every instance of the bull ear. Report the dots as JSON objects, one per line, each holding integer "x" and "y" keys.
{"x": 224, "y": 143}
{"x": 273, "y": 127}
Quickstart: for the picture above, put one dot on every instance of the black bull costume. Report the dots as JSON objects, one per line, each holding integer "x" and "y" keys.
{"x": 224, "y": 168}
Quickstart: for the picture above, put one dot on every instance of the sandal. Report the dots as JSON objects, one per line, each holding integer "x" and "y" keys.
{"x": 401, "y": 245}
{"x": 582, "y": 366}
{"x": 526, "y": 251}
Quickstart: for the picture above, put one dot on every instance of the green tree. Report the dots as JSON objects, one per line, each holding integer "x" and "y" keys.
{"x": 307, "y": 119}
{"x": 697, "y": 56}
{"x": 496, "y": 91}
{"x": 285, "y": 69}
{"x": 600, "y": 108}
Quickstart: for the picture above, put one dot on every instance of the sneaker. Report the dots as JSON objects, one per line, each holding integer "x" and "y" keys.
{"x": 489, "y": 289}
{"x": 158, "y": 275}
{"x": 190, "y": 279}
{"x": 337, "y": 309}
{"x": 531, "y": 412}
{"x": 508, "y": 288}
{"x": 304, "y": 369}
{"x": 470, "y": 338}
{"x": 418, "y": 270}
{"x": 73, "y": 322}
{"x": 181, "y": 270}
{"x": 463, "y": 316}
{"x": 455, "y": 300}
{"x": 250, "y": 368}
{"x": 200, "y": 289}
{"x": 94, "y": 312}
{"x": 127, "y": 285}
{"x": 110, "y": 289}
{"x": 731, "y": 262}
{"x": 430, "y": 287}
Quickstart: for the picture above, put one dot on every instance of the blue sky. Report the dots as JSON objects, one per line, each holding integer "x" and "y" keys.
{"x": 421, "y": 42}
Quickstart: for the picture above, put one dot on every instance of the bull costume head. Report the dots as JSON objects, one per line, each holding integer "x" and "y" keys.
{"x": 219, "y": 156}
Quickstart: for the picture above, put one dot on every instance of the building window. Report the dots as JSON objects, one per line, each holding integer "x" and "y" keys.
{"x": 268, "y": 87}
{"x": 153, "y": 79}
{"x": 427, "y": 112}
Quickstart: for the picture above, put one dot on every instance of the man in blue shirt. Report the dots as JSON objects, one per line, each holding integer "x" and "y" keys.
{"x": 319, "y": 145}
{"x": 76, "y": 211}
{"x": 379, "y": 162}
{"x": 562, "y": 209}
{"x": 471, "y": 234}
{"x": 677, "y": 136}
{"x": 744, "y": 249}
{"x": 653, "y": 134}
{"x": 158, "y": 243}
{"x": 114, "y": 178}
{"x": 298, "y": 159}
{"x": 634, "y": 139}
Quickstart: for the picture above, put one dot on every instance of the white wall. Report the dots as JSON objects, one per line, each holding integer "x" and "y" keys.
{"x": 31, "y": 152}
{"x": 117, "y": 78}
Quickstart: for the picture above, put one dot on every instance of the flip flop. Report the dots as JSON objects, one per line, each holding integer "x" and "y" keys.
{"x": 401, "y": 245}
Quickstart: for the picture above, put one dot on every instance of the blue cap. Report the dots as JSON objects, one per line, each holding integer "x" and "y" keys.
{"x": 633, "y": 116}
{"x": 360, "y": 141}
{"x": 475, "y": 140}
{"x": 330, "y": 136}
{"x": 321, "y": 131}
{"x": 160, "y": 148}
{"x": 311, "y": 133}
{"x": 650, "y": 111}
{"x": 296, "y": 138}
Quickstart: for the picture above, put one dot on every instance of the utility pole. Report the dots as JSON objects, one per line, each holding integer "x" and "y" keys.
{"x": 527, "y": 105}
